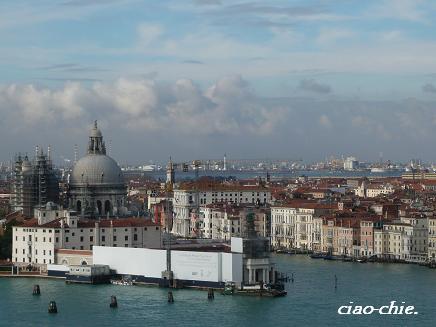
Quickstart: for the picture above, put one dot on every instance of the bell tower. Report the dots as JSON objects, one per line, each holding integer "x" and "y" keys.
{"x": 96, "y": 144}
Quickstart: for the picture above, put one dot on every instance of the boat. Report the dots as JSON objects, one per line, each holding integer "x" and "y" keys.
{"x": 318, "y": 256}
{"x": 264, "y": 290}
{"x": 362, "y": 260}
{"x": 122, "y": 282}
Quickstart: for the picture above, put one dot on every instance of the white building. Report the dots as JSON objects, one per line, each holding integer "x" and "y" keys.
{"x": 188, "y": 199}
{"x": 294, "y": 227}
{"x": 373, "y": 190}
{"x": 393, "y": 241}
{"x": 419, "y": 241}
{"x": 351, "y": 163}
{"x": 37, "y": 243}
{"x": 432, "y": 238}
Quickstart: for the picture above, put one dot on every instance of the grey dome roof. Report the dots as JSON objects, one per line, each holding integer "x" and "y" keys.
{"x": 97, "y": 169}
{"x": 26, "y": 166}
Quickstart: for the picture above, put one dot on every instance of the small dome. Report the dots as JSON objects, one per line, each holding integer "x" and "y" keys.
{"x": 97, "y": 169}
{"x": 26, "y": 166}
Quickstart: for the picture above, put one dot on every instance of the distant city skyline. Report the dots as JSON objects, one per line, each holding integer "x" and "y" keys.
{"x": 279, "y": 79}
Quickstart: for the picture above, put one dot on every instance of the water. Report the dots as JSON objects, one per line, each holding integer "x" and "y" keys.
{"x": 311, "y": 301}
{"x": 274, "y": 174}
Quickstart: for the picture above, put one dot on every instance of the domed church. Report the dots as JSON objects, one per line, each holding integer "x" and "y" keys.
{"x": 97, "y": 186}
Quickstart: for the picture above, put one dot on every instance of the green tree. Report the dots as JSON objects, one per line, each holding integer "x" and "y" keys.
{"x": 6, "y": 241}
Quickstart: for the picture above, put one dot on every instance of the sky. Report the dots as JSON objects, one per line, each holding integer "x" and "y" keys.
{"x": 197, "y": 79}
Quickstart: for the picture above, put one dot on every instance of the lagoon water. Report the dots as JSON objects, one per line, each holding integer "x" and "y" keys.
{"x": 311, "y": 301}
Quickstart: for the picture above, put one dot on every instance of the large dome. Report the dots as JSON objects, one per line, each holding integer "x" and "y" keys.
{"x": 96, "y": 169}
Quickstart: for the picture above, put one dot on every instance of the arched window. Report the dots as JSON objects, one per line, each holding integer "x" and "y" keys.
{"x": 79, "y": 206}
{"x": 99, "y": 207}
{"x": 107, "y": 207}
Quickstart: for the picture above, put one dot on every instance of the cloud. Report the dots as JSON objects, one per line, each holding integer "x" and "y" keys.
{"x": 227, "y": 106}
{"x": 195, "y": 62}
{"x": 331, "y": 35}
{"x": 148, "y": 33}
{"x": 408, "y": 10}
{"x": 207, "y": 2}
{"x": 148, "y": 119}
{"x": 311, "y": 85}
{"x": 72, "y": 68}
{"x": 429, "y": 88}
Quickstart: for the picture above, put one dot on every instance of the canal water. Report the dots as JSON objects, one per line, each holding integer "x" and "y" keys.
{"x": 312, "y": 300}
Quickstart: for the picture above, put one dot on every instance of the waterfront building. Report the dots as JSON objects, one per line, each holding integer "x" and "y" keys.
{"x": 367, "y": 237}
{"x": 37, "y": 240}
{"x": 223, "y": 221}
{"x": 189, "y": 197}
{"x": 393, "y": 241}
{"x": 346, "y": 237}
{"x": 97, "y": 187}
{"x": 432, "y": 238}
{"x": 419, "y": 240}
{"x": 292, "y": 225}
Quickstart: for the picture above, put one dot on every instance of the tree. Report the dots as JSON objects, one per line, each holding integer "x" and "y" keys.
{"x": 6, "y": 241}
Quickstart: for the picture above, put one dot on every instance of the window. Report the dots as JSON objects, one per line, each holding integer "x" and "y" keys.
{"x": 91, "y": 238}
{"x": 81, "y": 238}
{"x": 103, "y": 238}
{"x": 66, "y": 239}
{"x": 125, "y": 229}
{"x": 157, "y": 228}
{"x": 135, "y": 237}
{"x": 72, "y": 234}
{"x": 126, "y": 238}
{"x": 126, "y": 245}
{"x": 145, "y": 228}
{"x": 43, "y": 252}
{"x": 115, "y": 238}
{"x": 102, "y": 230}
{"x": 57, "y": 239}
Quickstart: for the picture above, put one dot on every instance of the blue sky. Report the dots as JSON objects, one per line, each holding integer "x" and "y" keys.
{"x": 235, "y": 68}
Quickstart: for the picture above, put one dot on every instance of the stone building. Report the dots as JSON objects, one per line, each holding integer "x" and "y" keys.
{"x": 97, "y": 186}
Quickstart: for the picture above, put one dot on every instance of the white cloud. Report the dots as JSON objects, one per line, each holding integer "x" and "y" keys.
{"x": 332, "y": 35}
{"x": 148, "y": 33}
